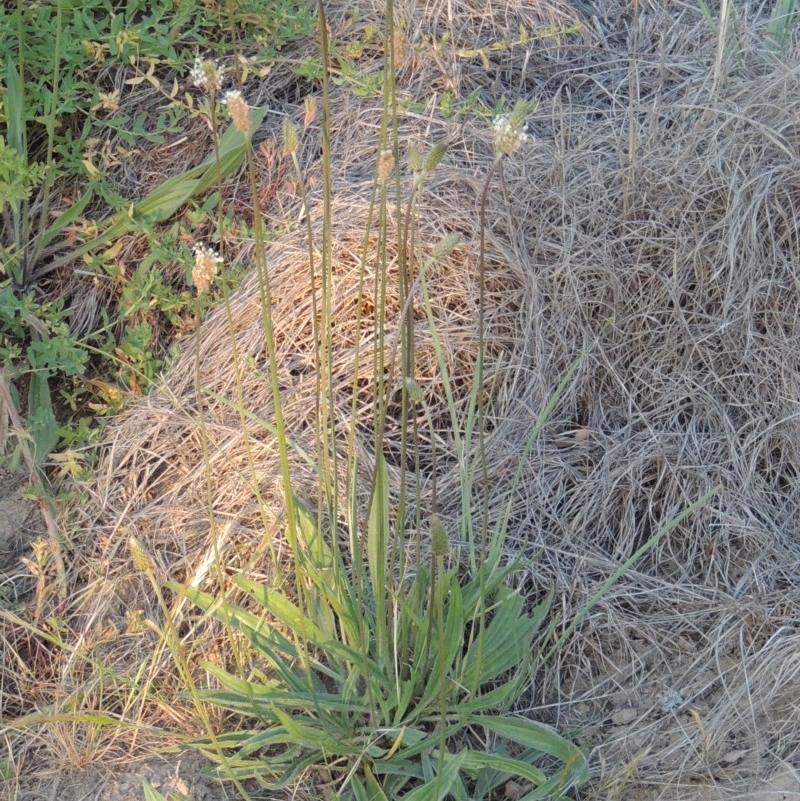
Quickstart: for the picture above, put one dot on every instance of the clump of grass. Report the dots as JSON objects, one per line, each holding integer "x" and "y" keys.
{"x": 388, "y": 707}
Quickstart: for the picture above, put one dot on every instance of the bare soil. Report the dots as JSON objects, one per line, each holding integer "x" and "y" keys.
{"x": 20, "y": 525}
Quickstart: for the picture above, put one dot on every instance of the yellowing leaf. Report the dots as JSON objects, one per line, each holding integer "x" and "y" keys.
{"x": 149, "y": 76}
{"x": 113, "y": 251}
{"x": 94, "y": 173}
{"x": 69, "y": 464}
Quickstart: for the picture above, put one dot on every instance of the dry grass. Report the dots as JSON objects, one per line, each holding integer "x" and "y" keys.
{"x": 653, "y": 196}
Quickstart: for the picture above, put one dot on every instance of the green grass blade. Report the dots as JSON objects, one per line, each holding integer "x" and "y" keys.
{"x": 476, "y": 761}
{"x": 453, "y": 641}
{"x": 170, "y": 195}
{"x": 555, "y": 787}
{"x": 538, "y": 736}
{"x": 480, "y": 588}
{"x": 267, "y": 638}
{"x": 151, "y": 794}
{"x": 781, "y": 21}
{"x": 164, "y": 201}
{"x": 294, "y": 770}
{"x": 66, "y": 218}
{"x": 499, "y": 697}
{"x": 310, "y": 734}
{"x": 248, "y": 741}
{"x": 277, "y": 604}
{"x": 372, "y": 786}
{"x": 500, "y": 652}
{"x": 14, "y": 102}
{"x": 41, "y": 418}
{"x": 708, "y": 16}
{"x": 334, "y": 606}
{"x": 237, "y": 692}
{"x": 358, "y": 790}
{"x": 439, "y": 787}
{"x": 269, "y": 756}
{"x": 355, "y": 669}
{"x": 377, "y": 538}
{"x": 173, "y": 193}
{"x": 454, "y": 625}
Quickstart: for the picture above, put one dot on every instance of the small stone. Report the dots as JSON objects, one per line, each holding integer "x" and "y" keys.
{"x": 670, "y": 702}
{"x": 622, "y": 717}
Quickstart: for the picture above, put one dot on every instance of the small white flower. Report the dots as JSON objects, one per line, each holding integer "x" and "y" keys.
{"x": 509, "y": 129}
{"x": 508, "y": 137}
{"x": 206, "y": 266}
{"x": 207, "y": 74}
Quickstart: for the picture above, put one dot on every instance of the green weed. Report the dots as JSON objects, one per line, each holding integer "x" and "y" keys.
{"x": 57, "y": 98}
{"x": 379, "y": 669}
{"x": 726, "y": 26}
{"x": 385, "y": 665}
{"x": 380, "y": 691}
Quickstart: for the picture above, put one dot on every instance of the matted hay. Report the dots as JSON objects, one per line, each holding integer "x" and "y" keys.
{"x": 652, "y": 196}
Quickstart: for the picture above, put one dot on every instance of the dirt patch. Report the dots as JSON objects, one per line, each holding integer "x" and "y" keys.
{"x": 183, "y": 777}
{"x": 20, "y": 525}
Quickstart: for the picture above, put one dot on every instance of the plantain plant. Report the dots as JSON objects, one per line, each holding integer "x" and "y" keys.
{"x": 386, "y": 717}
{"x": 379, "y": 675}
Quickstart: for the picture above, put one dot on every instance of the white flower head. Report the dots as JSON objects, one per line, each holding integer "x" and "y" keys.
{"x": 206, "y": 266}
{"x": 207, "y": 74}
{"x": 507, "y": 138}
{"x": 510, "y": 129}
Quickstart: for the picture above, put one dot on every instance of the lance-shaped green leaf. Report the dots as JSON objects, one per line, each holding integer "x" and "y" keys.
{"x": 170, "y": 195}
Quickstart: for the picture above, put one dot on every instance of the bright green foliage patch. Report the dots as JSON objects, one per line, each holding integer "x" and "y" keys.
{"x": 63, "y": 66}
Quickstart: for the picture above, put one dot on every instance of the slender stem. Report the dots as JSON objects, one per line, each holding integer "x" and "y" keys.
{"x": 481, "y": 357}
{"x": 51, "y": 133}
{"x": 315, "y": 321}
{"x": 328, "y": 460}
{"x": 482, "y": 419}
{"x": 439, "y": 577}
